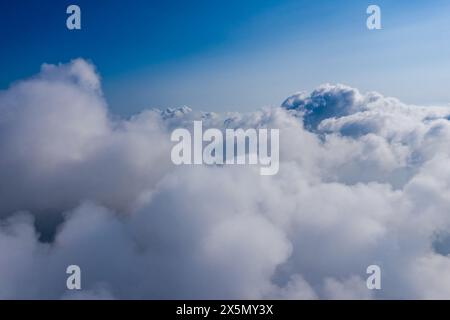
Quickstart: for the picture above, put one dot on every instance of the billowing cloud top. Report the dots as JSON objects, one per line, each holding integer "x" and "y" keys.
{"x": 364, "y": 179}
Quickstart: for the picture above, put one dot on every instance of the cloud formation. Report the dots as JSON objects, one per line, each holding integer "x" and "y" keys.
{"x": 364, "y": 179}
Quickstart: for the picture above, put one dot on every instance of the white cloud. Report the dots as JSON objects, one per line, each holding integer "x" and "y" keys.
{"x": 367, "y": 182}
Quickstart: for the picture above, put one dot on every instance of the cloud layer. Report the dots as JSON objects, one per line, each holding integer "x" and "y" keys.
{"x": 363, "y": 179}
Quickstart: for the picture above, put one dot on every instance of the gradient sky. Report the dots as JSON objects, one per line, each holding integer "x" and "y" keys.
{"x": 234, "y": 55}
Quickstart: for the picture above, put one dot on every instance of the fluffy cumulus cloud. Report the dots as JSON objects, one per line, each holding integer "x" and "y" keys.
{"x": 364, "y": 179}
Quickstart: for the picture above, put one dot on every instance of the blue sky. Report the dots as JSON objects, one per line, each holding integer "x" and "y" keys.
{"x": 234, "y": 55}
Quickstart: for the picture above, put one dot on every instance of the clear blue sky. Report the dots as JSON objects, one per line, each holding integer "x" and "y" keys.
{"x": 234, "y": 54}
